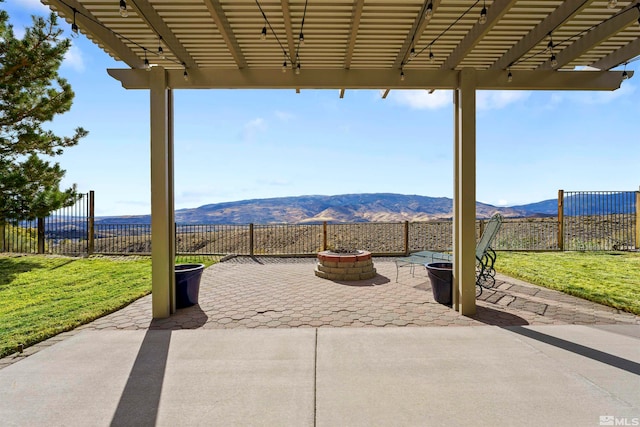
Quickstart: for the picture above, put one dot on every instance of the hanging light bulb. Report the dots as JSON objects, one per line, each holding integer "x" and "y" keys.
{"x": 263, "y": 34}
{"x": 509, "y": 77}
{"x": 401, "y": 75}
{"x": 284, "y": 66}
{"x": 160, "y": 49}
{"x": 483, "y": 14}
{"x": 553, "y": 60}
{"x": 412, "y": 53}
{"x": 432, "y": 57}
{"x": 123, "y": 8}
{"x": 429, "y": 12}
{"x": 612, "y": 4}
{"x": 301, "y": 39}
{"x": 185, "y": 75}
{"x": 147, "y": 66}
{"x": 625, "y": 75}
{"x": 74, "y": 26}
{"x": 298, "y": 68}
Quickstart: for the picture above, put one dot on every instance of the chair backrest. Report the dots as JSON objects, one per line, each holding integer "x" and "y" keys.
{"x": 489, "y": 233}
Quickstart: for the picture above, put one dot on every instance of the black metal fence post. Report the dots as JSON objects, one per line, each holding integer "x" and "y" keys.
{"x": 91, "y": 224}
{"x": 41, "y": 235}
{"x": 561, "y": 220}
{"x": 251, "y": 239}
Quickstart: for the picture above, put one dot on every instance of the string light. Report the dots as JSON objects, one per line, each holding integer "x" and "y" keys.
{"x": 301, "y": 39}
{"x": 428, "y": 15}
{"x": 432, "y": 57}
{"x": 123, "y": 8}
{"x": 147, "y": 66}
{"x": 483, "y": 13}
{"x": 625, "y": 75}
{"x": 612, "y": 4}
{"x": 429, "y": 12}
{"x": 401, "y": 74}
{"x": 509, "y": 76}
{"x": 74, "y": 26}
{"x": 284, "y": 65}
{"x": 263, "y": 34}
{"x": 553, "y": 61}
{"x": 160, "y": 50}
{"x": 185, "y": 75}
{"x": 412, "y": 53}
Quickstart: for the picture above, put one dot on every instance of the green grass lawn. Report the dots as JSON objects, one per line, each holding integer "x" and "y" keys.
{"x": 609, "y": 278}
{"x": 42, "y": 296}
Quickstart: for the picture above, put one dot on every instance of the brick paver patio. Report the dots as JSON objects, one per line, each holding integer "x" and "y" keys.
{"x": 265, "y": 292}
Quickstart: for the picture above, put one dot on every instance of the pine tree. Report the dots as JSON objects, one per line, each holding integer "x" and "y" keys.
{"x": 31, "y": 94}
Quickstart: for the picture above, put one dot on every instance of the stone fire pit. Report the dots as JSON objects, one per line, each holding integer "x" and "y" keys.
{"x": 356, "y": 265}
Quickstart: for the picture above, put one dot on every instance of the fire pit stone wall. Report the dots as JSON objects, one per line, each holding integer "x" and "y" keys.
{"x": 357, "y": 265}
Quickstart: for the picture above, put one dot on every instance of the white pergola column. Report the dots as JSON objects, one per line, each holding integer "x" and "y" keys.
{"x": 464, "y": 194}
{"x": 162, "y": 208}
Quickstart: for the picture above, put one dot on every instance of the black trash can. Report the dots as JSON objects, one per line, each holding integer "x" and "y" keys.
{"x": 441, "y": 276}
{"x": 187, "y": 284}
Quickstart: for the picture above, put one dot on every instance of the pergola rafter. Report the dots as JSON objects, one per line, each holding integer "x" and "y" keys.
{"x": 220, "y": 18}
{"x": 566, "y": 10}
{"x": 101, "y": 35}
{"x": 594, "y": 37}
{"x": 146, "y": 12}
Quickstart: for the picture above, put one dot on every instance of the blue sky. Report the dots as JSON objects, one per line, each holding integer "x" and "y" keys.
{"x": 246, "y": 144}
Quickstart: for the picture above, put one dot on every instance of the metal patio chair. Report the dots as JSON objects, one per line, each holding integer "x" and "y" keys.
{"x": 485, "y": 256}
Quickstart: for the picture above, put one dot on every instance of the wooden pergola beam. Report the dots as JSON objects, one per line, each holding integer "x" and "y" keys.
{"x": 218, "y": 15}
{"x": 597, "y": 35}
{"x": 148, "y": 14}
{"x": 373, "y": 79}
{"x": 562, "y": 13}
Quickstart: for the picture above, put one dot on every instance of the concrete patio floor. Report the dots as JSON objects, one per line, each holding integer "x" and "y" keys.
{"x": 360, "y": 354}
{"x": 267, "y": 292}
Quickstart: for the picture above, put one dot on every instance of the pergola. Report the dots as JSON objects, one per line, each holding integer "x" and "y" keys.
{"x": 463, "y": 45}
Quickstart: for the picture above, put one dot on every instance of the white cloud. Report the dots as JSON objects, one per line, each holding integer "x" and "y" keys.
{"x": 597, "y": 98}
{"x": 73, "y": 59}
{"x": 253, "y": 128}
{"x": 497, "y": 99}
{"x": 627, "y": 89}
{"x": 422, "y": 99}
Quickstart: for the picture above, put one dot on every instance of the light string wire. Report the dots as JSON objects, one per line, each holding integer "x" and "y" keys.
{"x": 304, "y": 14}
{"x": 428, "y": 46}
{"x": 284, "y": 51}
{"x": 560, "y": 43}
{"x": 121, "y": 36}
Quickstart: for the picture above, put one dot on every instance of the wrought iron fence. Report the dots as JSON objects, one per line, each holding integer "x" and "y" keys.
{"x": 65, "y": 231}
{"x": 598, "y": 220}
{"x": 309, "y": 239}
{"x": 586, "y": 221}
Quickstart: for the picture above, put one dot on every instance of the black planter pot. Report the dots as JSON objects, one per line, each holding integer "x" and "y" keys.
{"x": 441, "y": 277}
{"x": 187, "y": 284}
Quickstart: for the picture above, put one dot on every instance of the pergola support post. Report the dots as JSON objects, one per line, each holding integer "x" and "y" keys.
{"x": 162, "y": 205}
{"x": 464, "y": 204}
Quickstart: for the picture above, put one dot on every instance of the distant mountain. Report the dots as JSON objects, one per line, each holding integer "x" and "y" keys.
{"x": 584, "y": 204}
{"x": 375, "y": 207}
